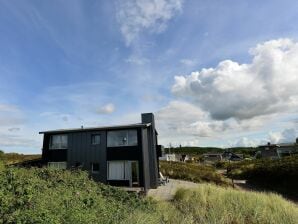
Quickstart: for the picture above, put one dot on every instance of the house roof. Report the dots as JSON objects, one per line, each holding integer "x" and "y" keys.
{"x": 100, "y": 128}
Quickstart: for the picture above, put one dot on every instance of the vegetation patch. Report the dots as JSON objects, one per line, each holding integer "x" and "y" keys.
{"x": 280, "y": 175}
{"x": 56, "y": 196}
{"x": 12, "y": 158}
{"x": 192, "y": 172}
{"x": 61, "y": 196}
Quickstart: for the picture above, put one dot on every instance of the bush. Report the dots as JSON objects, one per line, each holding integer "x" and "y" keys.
{"x": 55, "y": 196}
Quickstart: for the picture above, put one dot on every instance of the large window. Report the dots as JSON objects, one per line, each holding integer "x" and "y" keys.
{"x": 122, "y": 138}
{"x": 57, "y": 165}
{"x": 124, "y": 170}
{"x": 58, "y": 142}
{"x": 95, "y": 139}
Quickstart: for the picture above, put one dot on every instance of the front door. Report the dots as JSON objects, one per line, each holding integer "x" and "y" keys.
{"x": 134, "y": 177}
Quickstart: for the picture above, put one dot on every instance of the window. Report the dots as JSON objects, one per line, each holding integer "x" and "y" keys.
{"x": 57, "y": 165}
{"x": 116, "y": 170}
{"x": 95, "y": 139}
{"x": 95, "y": 167}
{"x": 122, "y": 138}
{"x": 58, "y": 142}
{"x": 123, "y": 170}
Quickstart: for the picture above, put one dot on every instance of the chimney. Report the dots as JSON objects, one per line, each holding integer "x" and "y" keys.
{"x": 296, "y": 140}
{"x": 148, "y": 118}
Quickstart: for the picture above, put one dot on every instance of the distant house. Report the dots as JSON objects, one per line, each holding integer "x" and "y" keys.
{"x": 225, "y": 156}
{"x": 287, "y": 149}
{"x": 122, "y": 155}
{"x": 212, "y": 157}
{"x": 275, "y": 151}
{"x": 168, "y": 157}
{"x": 268, "y": 151}
{"x": 230, "y": 156}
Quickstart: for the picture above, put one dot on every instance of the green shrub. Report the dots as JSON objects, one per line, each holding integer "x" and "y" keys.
{"x": 56, "y": 196}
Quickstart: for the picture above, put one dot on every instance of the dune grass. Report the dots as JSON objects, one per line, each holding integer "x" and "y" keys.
{"x": 61, "y": 196}
{"x": 212, "y": 204}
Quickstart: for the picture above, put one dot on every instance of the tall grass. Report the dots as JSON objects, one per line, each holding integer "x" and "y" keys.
{"x": 211, "y": 204}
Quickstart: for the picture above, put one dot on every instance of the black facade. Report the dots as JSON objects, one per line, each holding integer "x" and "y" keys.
{"x": 110, "y": 158}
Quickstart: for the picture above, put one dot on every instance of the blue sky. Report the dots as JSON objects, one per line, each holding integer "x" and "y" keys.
{"x": 64, "y": 64}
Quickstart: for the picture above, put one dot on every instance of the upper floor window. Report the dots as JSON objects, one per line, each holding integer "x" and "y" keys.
{"x": 58, "y": 142}
{"x": 95, "y": 139}
{"x": 122, "y": 138}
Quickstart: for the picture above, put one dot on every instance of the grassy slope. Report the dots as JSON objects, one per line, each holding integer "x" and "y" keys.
{"x": 55, "y": 196}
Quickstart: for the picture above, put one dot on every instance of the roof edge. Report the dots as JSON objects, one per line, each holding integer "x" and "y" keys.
{"x": 138, "y": 125}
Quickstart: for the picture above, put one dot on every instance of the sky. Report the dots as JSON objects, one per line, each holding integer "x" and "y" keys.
{"x": 214, "y": 73}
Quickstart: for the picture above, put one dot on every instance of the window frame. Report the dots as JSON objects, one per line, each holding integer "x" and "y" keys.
{"x": 92, "y": 136}
{"x": 128, "y": 144}
{"x": 61, "y": 145}
{"x": 51, "y": 165}
{"x": 92, "y": 170}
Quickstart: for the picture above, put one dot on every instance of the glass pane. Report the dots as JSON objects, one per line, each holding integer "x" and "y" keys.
{"x": 122, "y": 138}
{"x": 58, "y": 142}
{"x": 116, "y": 170}
{"x": 132, "y": 137}
{"x": 134, "y": 172}
{"x": 63, "y": 141}
{"x": 95, "y": 139}
{"x": 117, "y": 138}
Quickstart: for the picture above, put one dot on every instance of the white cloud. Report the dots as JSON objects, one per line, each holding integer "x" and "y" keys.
{"x": 246, "y": 142}
{"x": 286, "y": 136}
{"x": 137, "y": 60}
{"x": 14, "y": 129}
{"x": 188, "y": 62}
{"x": 10, "y": 115}
{"x": 134, "y": 16}
{"x": 183, "y": 123}
{"x": 106, "y": 109}
{"x": 231, "y": 90}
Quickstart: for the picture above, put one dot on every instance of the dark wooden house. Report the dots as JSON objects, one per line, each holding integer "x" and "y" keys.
{"x": 123, "y": 155}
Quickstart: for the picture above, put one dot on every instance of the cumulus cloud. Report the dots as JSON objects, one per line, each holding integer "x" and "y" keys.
{"x": 106, "y": 109}
{"x": 231, "y": 90}
{"x": 187, "y": 124}
{"x": 137, "y": 15}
